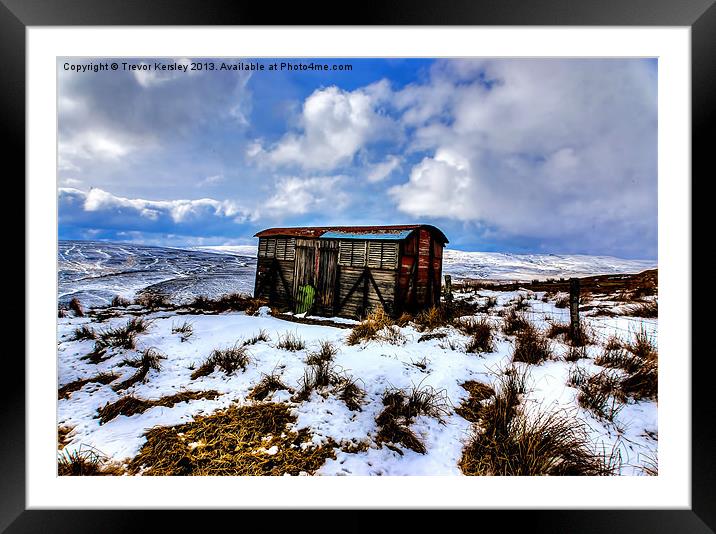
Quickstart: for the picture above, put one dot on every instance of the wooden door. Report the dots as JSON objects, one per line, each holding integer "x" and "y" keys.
{"x": 326, "y": 280}
{"x": 305, "y": 269}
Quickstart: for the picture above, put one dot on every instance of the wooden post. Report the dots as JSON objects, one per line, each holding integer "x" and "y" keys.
{"x": 448, "y": 289}
{"x": 574, "y": 330}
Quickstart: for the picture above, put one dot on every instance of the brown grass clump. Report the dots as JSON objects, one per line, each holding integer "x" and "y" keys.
{"x": 324, "y": 377}
{"x": 76, "y": 306}
{"x": 63, "y": 439}
{"x": 120, "y": 302}
{"x": 558, "y": 330}
{"x": 131, "y": 405}
{"x": 149, "y": 359}
{"x": 601, "y": 394}
{"x": 246, "y": 440}
{"x": 404, "y": 319}
{"x": 575, "y": 353}
{"x": 61, "y": 312}
{"x": 432, "y": 318}
{"x": 152, "y": 300}
{"x": 507, "y": 441}
{"x": 490, "y": 302}
{"x": 87, "y": 461}
{"x": 531, "y": 347}
{"x": 639, "y": 360}
{"x": 368, "y": 328}
{"x": 326, "y": 353}
{"x": 82, "y": 333}
{"x": 185, "y": 330}
{"x": 471, "y": 407}
{"x": 65, "y": 391}
{"x": 267, "y": 385}
{"x": 521, "y": 303}
{"x": 514, "y": 322}
{"x": 261, "y": 336}
{"x": 401, "y": 406}
{"x": 123, "y": 337}
{"x": 228, "y": 302}
{"x": 562, "y": 302}
{"x": 291, "y": 342}
{"x": 227, "y": 360}
{"x": 481, "y": 335}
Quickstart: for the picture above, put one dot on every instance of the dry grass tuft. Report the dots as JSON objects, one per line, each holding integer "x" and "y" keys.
{"x": 76, "y": 307}
{"x": 507, "y": 441}
{"x": 558, "y": 330}
{"x": 120, "y": 302}
{"x": 326, "y": 353}
{"x": 256, "y": 338}
{"x": 87, "y": 461}
{"x": 490, "y": 302}
{"x": 290, "y": 341}
{"x": 153, "y": 301}
{"x": 82, "y": 333}
{"x": 149, "y": 359}
{"x": 185, "y": 330}
{"x": 323, "y": 376}
{"x": 401, "y": 406}
{"x": 514, "y": 322}
{"x": 239, "y": 441}
{"x": 601, "y": 394}
{"x": 65, "y": 391}
{"x": 267, "y": 385}
{"x": 432, "y": 318}
{"x": 531, "y": 346}
{"x": 575, "y": 353}
{"x": 649, "y": 309}
{"x": 227, "y": 361}
{"x": 481, "y": 335}
{"x": 639, "y": 360}
{"x": 562, "y": 302}
{"x": 368, "y": 328}
{"x": 131, "y": 405}
{"x": 521, "y": 303}
{"x": 123, "y": 337}
{"x": 228, "y": 302}
{"x": 63, "y": 436}
{"x": 472, "y": 406}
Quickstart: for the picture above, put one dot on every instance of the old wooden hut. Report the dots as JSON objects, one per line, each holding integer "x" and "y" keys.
{"x": 347, "y": 271}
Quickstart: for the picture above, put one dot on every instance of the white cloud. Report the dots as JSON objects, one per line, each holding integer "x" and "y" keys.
{"x": 152, "y": 77}
{"x": 296, "y": 196}
{"x": 554, "y": 147}
{"x": 380, "y": 171}
{"x": 179, "y": 211}
{"x": 335, "y": 125}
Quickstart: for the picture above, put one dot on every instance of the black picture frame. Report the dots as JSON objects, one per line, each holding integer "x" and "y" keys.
{"x": 699, "y": 15}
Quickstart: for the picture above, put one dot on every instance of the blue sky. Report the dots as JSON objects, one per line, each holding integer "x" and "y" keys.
{"x": 526, "y": 156}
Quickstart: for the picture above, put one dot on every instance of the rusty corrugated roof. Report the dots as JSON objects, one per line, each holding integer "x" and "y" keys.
{"x": 318, "y": 231}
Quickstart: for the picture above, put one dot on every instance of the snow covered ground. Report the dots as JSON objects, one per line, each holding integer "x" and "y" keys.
{"x": 440, "y": 363}
{"x": 95, "y": 272}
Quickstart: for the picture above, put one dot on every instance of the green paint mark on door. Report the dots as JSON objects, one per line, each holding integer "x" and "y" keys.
{"x": 304, "y": 298}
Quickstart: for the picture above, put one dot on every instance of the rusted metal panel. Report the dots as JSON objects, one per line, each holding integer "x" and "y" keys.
{"x": 314, "y": 232}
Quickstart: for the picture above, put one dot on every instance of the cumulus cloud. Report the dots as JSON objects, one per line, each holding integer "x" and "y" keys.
{"x": 540, "y": 148}
{"x": 99, "y": 209}
{"x": 294, "y": 196}
{"x": 105, "y": 117}
{"x": 335, "y": 124}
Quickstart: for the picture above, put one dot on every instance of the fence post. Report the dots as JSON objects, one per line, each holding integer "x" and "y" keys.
{"x": 574, "y": 330}
{"x": 448, "y": 289}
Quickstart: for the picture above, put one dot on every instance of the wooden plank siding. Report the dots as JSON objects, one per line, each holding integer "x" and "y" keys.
{"x": 357, "y": 288}
{"x": 351, "y": 276}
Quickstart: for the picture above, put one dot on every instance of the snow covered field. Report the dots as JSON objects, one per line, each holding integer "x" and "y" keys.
{"x": 376, "y": 365}
{"x": 95, "y": 272}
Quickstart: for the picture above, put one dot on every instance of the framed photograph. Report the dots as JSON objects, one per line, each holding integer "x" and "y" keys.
{"x": 425, "y": 261}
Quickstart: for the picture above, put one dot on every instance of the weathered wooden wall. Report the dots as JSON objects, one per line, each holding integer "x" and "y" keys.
{"x": 361, "y": 289}
{"x": 274, "y": 282}
{"x": 353, "y": 291}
